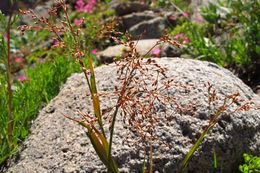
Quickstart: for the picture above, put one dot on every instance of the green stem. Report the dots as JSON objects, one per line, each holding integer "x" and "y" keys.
{"x": 122, "y": 93}
{"x": 187, "y": 158}
{"x": 191, "y": 152}
{"x": 94, "y": 94}
{"x": 111, "y": 137}
{"x": 92, "y": 82}
{"x": 175, "y": 6}
{"x": 147, "y": 53}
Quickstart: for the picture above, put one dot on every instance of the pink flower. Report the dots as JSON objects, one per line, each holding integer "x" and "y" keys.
{"x": 179, "y": 36}
{"x": 79, "y": 5}
{"x": 78, "y": 22}
{"x": 184, "y": 39}
{"x": 57, "y": 44}
{"x": 5, "y": 36}
{"x": 23, "y": 78}
{"x": 185, "y": 14}
{"x": 94, "y": 51}
{"x": 199, "y": 19}
{"x": 156, "y": 52}
{"x": 19, "y": 60}
{"x": 172, "y": 18}
{"x": 86, "y": 8}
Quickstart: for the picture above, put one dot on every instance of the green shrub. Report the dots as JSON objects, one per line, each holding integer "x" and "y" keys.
{"x": 201, "y": 45}
{"x": 230, "y": 37}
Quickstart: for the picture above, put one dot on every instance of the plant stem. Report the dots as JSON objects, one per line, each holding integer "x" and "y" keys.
{"x": 194, "y": 148}
{"x": 175, "y": 6}
{"x": 122, "y": 93}
{"x": 147, "y": 53}
{"x": 9, "y": 80}
{"x": 111, "y": 137}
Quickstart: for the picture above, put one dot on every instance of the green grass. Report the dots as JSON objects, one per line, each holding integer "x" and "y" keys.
{"x": 29, "y": 97}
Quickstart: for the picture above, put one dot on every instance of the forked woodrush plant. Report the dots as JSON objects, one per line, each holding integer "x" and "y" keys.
{"x": 139, "y": 91}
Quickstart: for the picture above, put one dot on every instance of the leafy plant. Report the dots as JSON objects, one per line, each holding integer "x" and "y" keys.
{"x": 241, "y": 50}
{"x": 230, "y": 37}
{"x": 251, "y": 164}
{"x": 201, "y": 45}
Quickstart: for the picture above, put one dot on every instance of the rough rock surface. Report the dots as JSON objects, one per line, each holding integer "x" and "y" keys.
{"x": 138, "y": 18}
{"x": 58, "y": 145}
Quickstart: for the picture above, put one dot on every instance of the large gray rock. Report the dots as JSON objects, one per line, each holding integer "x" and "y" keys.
{"x": 58, "y": 145}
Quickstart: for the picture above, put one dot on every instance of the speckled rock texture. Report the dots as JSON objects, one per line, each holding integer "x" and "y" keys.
{"x": 58, "y": 145}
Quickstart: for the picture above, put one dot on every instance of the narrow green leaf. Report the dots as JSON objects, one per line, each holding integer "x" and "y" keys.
{"x": 144, "y": 165}
{"x": 93, "y": 89}
{"x": 215, "y": 162}
{"x": 101, "y": 147}
{"x": 187, "y": 158}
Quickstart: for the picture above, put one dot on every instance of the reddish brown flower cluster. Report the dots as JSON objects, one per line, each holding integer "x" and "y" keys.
{"x": 139, "y": 91}
{"x": 230, "y": 102}
{"x": 48, "y": 22}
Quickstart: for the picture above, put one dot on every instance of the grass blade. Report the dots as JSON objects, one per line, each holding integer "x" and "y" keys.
{"x": 101, "y": 146}
{"x": 187, "y": 158}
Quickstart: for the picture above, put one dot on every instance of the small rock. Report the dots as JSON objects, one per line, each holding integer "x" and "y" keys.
{"x": 50, "y": 109}
{"x": 153, "y": 28}
{"x": 129, "y": 7}
{"x": 109, "y": 54}
{"x": 127, "y": 21}
{"x": 257, "y": 90}
{"x": 170, "y": 51}
{"x": 41, "y": 10}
